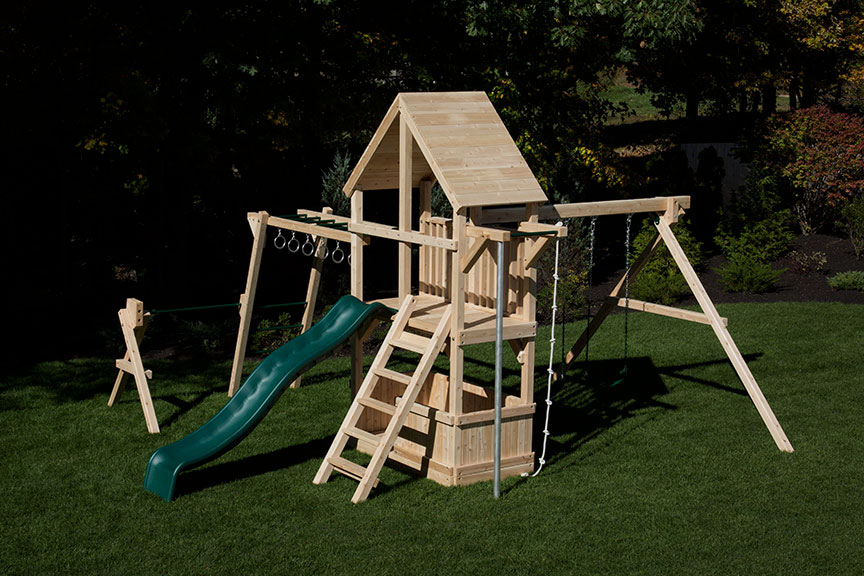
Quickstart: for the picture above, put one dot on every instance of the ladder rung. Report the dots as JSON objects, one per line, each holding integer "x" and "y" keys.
{"x": 363, "y": 435}
{"x": 377, "y": 405}
{"x": 393, "y": 375}
{"x": 411, "y": 342}
{"x": 348, "y": 468}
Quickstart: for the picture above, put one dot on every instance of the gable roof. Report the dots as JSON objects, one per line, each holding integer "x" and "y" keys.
{"x": 460, "y": 141}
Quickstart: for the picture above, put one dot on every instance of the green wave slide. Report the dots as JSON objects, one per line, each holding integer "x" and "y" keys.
{"x": 257, "y": 395}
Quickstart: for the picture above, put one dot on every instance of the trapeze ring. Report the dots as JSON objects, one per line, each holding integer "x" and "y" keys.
{"x": 341, "y": 253}
{"x": 293, "y": 243}
{"x": 311, "y": 249}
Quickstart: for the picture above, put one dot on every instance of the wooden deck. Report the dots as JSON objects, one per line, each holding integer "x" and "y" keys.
{"x": 479, "y": 322}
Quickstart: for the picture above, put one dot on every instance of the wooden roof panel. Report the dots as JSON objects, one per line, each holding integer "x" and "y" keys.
{"x": 459, "y": 140}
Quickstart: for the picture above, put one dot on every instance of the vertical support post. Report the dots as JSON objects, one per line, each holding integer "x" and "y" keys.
{"x": 529, "y": 310}
{"x": 499, "y": 359}
{"x": 406, "y": 175}
{"x": 424, "y": 276}
{"x": 356, "y": 289}
{"x": 457, "y": 324}
{"x": 312, "y": 287}
{"x": 258, "y": 223}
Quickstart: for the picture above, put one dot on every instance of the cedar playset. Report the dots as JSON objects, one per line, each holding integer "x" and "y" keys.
{"x": 464, "y": 292}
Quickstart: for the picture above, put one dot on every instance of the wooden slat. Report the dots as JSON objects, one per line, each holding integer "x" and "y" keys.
{"x": 585, "y": 209}
{"x": 671, "y": 312}
{"x": 411, "y": 342}
{"x": 348, "y": 468}
{"x": 360, "y": 434}
{"x": 378, "y": 405}
{"x": 382, "y": 231}
{"x": 393, "y": 375}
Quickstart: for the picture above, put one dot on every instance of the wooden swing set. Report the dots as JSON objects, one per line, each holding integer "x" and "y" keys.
{"x": 436, "y": 422}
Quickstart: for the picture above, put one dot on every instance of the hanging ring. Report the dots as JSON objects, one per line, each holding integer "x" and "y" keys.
{"x": 293, "y": 243}
{"x": 349, "y": 258}
{"x": 326, "y": 250}
{"x": 308, "y": 251}
{"x": 338, "y": 251}
{"x": 279, "y": 241}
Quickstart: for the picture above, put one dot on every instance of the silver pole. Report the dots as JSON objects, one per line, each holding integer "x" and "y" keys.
{"x": 499, "y": 356}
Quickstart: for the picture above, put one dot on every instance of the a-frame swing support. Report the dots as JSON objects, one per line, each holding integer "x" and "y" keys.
{"x": 709, "y": 314}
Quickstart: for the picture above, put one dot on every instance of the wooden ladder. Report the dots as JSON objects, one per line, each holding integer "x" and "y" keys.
{"x": 397, "y": 337}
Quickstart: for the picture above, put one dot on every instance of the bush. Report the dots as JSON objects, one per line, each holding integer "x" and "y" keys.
{"x": 820, "y": 154}
{"x": 572, "y": 273}
{"x": 853, "y": 223}
{"x": 807, "y": 262}
{"x": 744, "y": 273}
{"x": 851, "y": 280}
{"x": 269, "y": 336}
{"x": 755, "y": 223}
{"x": 661, "y": 281}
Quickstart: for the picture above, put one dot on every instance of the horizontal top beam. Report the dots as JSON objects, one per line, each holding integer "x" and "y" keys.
{"x": 587, "y": 209}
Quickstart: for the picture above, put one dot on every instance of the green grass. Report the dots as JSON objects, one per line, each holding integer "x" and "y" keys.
{"x": 670, "y": 472}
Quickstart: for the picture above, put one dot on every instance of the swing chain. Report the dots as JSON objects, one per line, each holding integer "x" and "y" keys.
{"x": 591, "y": 232}
{"x": 627, "y": 286}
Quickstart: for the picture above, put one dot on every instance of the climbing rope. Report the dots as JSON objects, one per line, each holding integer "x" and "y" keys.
{"x": 550, "y": 372}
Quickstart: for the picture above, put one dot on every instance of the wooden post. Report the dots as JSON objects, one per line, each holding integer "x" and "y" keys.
{"x": 457, "y": 324}
{"x": 258, "y": 223}
{"x": 424, "y": 277}
{"x": 133, "y": 323}
{"x": 529, "y": 311}
{"x": 312, "y": 288}
{"x": 356, "y": 289}
{"x": 406, "y": 141}
{"x": 723, "y": 335}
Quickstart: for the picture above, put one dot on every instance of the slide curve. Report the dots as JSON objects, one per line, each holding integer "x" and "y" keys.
{"x": 257, "y": 395}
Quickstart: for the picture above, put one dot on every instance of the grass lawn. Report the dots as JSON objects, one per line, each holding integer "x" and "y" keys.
{"x": 670, "y": 472}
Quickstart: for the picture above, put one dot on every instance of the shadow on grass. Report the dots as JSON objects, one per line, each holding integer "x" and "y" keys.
{"x": 596, "y": 397}
{"x": 203, "y": 478}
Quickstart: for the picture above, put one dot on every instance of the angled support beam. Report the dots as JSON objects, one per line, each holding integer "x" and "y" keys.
{"x": 258, "y": 223}
{"x": 723, "y": 335}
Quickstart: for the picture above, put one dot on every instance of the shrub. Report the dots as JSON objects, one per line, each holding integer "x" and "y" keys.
{"x": 660, "y": 280}
{"x": 572, "y": 273}
{"x": 807, "y": 262}
{"x": 743, "y": 273}
{"x": 820, "y": 153}
{"x": 755, "y": 223}
{"x": 269, "y": 336}
{"x": 853, "y": 223}
{"x": 851, "y": 280}
{"x": 332, "y": 181}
